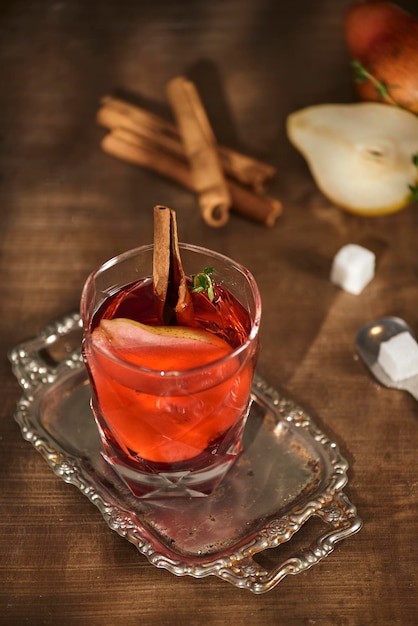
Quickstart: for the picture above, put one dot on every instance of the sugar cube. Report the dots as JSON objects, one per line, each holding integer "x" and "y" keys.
{"x": 353, "y": 268}
{"x": 398, "y": 356}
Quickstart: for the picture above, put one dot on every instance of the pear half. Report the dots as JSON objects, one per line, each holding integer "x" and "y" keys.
{"x": 360, "y": 155}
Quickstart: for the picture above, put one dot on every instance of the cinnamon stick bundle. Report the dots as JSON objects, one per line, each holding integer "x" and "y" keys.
{"x": 221, "y": 177}
{"x": 116, "y": 113}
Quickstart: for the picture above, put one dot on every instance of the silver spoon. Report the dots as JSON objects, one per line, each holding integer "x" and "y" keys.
{"x": 368, "y": 343}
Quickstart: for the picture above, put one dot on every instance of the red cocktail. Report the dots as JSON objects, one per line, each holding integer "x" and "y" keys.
{"x": 170, "y": 401}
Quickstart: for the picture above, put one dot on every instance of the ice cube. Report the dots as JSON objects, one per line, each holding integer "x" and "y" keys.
{"x": 398, "y": 356}
{"x": 353, "y": 268}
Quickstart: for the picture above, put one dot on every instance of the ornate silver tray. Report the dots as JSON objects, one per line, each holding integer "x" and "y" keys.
{"x": 288, "y": 474}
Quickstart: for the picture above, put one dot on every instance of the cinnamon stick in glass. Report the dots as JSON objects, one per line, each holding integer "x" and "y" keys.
{"x": 169, "y": 279}
{"x": 201, "y": 150}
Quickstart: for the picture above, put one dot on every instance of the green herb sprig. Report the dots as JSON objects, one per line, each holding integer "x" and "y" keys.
{"x": 414, "y": 188}
{"x": 361, "y": 75}
{"x": 203, "y": 282}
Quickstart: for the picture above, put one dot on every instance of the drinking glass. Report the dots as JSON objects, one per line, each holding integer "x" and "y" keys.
{"x": 168, "y": 431}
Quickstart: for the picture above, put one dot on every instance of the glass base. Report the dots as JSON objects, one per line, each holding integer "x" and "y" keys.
{"x": 195, "y": 477}
{"x": 145, "y": 482}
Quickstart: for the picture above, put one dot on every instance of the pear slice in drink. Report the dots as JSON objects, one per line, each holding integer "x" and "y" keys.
{"x": 162, "y": 347}
{"x": 362, "y": 156}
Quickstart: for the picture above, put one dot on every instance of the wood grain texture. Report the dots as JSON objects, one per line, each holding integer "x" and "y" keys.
{"x": 65, "y": 207}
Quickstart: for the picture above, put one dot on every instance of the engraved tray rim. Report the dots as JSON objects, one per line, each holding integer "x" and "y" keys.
{"x": 331, "y": 505}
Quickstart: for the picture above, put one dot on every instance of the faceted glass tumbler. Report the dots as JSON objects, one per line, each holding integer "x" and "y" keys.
{"x": 166, "y": 431}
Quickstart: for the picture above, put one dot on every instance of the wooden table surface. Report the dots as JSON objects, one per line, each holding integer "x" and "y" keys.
{"x": 66, "y": 207}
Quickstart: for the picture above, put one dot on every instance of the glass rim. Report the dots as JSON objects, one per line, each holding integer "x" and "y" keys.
{"x": 173, "y": 374}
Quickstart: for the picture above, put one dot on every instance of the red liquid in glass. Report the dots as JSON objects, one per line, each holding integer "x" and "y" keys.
{"x": 149, "y": 418}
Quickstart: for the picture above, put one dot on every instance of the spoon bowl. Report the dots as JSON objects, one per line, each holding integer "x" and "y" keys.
{"x": 368, "y": 342}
